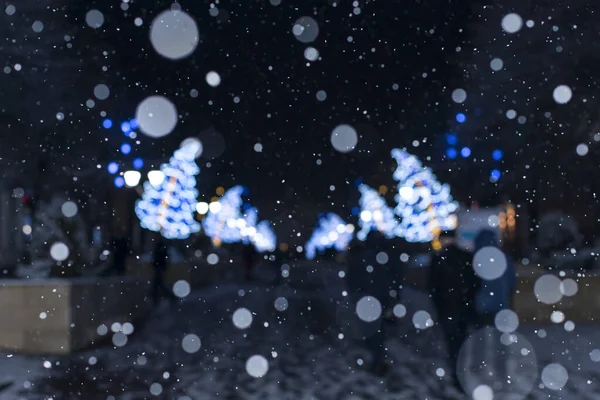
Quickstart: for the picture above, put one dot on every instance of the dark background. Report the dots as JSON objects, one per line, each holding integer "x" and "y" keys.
{"x": 426, "y": 48}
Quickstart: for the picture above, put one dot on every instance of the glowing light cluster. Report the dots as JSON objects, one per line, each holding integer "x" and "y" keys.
{"x": 225, "y": 222}
{"x": 220, "y": 222}
{"x": 264, "y": 238}
{"x": 331, "y": 231}
{"x": 425, "y": 206}
{"x": 375, "y": 214}
{"x": 167, "y": 206}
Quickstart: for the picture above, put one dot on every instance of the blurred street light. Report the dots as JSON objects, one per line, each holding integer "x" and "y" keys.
{"x": 202, "y": 207}
{"x": 132, "y": 178}
{"x": 156, "y": 177}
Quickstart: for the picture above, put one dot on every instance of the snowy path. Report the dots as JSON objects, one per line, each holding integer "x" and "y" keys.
{"x": 307, "y": 358}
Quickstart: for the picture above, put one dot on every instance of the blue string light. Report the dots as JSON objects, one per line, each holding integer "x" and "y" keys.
{"x": 113, "y": 168}
{"x": 107, "y": 123}
{"x": 125, "y": 148}
{"x": 465, "y": 152}
{"x": 134, "y": 123}
{"x": 119, "y": 182}
{"x": 460, "y": 118}
{"x": 495, "y": 175}
{"x": 138, "y": 163}
{"x": 451, "y": 139}
{"x": 497, "y": 155}
{"x": 125, "y": 127}
{"x": 451, "y": 153}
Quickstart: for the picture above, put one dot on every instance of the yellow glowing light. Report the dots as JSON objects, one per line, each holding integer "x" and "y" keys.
{"x": 283, "y": 247}
{"x": 220, "y": 190}
{"x": 383, "y": 189}
{"x": 214, "y": 199}
{"x": 436, "y": 245}
{"x": 217, "y": 242}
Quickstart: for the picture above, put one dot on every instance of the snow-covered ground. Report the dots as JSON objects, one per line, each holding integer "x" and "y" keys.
{"x": 305, "y": 351}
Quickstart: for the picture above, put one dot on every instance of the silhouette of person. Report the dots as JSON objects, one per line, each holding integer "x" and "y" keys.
{"x": 160, "y": 261}
{"x": 493, "y": 295}
{"x": 367, "y": 277}
{"x": 120, "y": 245}
{"x": 249, "y": 257}
{"x": 453, "y": 285}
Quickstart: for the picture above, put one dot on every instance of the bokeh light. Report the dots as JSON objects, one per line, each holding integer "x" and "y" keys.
{"x": 157, "y": 116}
{"x": 451, "y": 139}
{"x": 125, "y": 127}
{"x": 495, "y": 175}
{"x": 125, "y": 148}
{"x": 138, "y": 163}
{"x": 113, "y": 168}
{"x": 174, "y": 34}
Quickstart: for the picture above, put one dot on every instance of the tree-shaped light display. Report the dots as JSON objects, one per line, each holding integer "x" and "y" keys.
{"x": 247, "y": 224}
{"x": 168, "y": 206}
{"x": 425, "y": 206}
{"x": 331, "y": 231}
{"x": 375, "y": 214}
{"x": 226, "y": 223}
{"x": 264, "y": 238}
{"x": 221, "y": 221}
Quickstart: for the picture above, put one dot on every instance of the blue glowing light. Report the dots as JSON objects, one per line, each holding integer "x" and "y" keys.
{"x": 138, "y": 163}
{"x": 497, "y": 155}
{"x": 451, "y": 153}
{"x": 107, "y": 123}
{"x": 495, "y": 175}
{"x": 465, "y": 152}
{"x": 358, "y": 182}
{"x": 460, "y": 118}
{"x": 355, "y": 211}
{"x": 451, "y": 139}
{"x": 119, "y": 182}
{"x": 134, "y": 123}
{"x": 125, "y": 148}
{"x": 113, "y": 168}
{"x": 125, "y": 127}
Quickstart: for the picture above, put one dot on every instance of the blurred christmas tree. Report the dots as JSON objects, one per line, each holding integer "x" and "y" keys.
{"x": 168, "y": 206}
{"x": 221, "y": 221}
{"x": 425, "y": 206}
{"x": 264, "y": 238}
{"x": 331, "y": 231}
{"x": 375, "y": 214}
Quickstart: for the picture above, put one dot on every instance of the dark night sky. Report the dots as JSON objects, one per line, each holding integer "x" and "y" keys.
{"x": 250, "y": 44}
{"x": 392, "y": 81}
